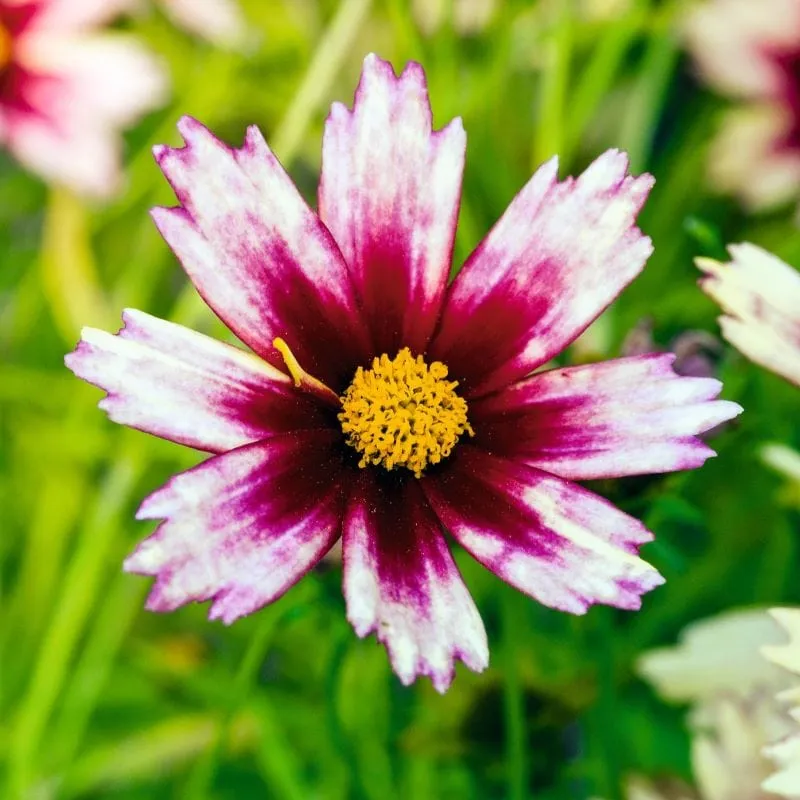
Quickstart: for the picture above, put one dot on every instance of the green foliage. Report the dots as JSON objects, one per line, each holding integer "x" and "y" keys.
{"x": 103, "y": 699}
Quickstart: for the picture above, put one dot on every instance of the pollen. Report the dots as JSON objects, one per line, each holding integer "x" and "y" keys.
{"x": 403, "y": 413}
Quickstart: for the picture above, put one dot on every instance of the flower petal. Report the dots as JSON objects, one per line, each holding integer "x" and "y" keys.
{"x": 87, "y": 161}
{"x": 70, "y": 15}
{"x": 631, "y": 416}
{"x": 761, "y": 297}
{"x": 557, "y": 257}
{"x": 66, "y": 99}
{"x": 754, "y": 32}
{"x": 243, "y": 527}
{"x": 750, "y": 158}
{"x": 786, "y": 755}
{"x": 389, "y": 192}
{"x": 167, "y": 380}
{"x": 219, "y": 21}
{"x": 786, "y": 752}
{"x": 258, "y": 255}
{"x": 401, "y": 582}
{"x": 716, "y": 656}
{"x": 786, "y": 654}
{"x": 93, "y": 81}
{"x": 551, "y": 539}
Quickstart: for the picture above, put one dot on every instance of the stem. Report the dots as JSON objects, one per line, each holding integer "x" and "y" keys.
{"x": 644, "y": 111}
{"x": 202, "y": 775}
{"x": 597, "y": 77}
{"x": 77, "y": 597}
{"x": 606, "y": 708}
{"x": 330, "y": 53}
{"x": 69, "y": 273}
{"x": 91, "y": 673}
{"x": 549, "y": 135}
{"x": 513, "y": 702}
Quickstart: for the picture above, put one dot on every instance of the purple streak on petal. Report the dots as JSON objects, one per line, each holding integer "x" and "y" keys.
{"x": 401, "y": 582}
{"x": 557, "y": 257}
{"x": 389, "y": 192}
{"x": 551, "y": 539}
{"x": 631, "y": 416}
{"x": 167, "y": 380}
{"x": 243, "y": 527}
{"x": 258, "y": 255}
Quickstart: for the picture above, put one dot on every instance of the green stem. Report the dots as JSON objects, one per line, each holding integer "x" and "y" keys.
{"x": 77, "y": 597}
{"x": 598, "y": 75}
{"x": 202, "y": 775}
{"x": 513, "y": 702}
{"x": 90, "y": 674}
{"x": 602, "y": 734}
{"x": 644, "y": 111}
{"x": 330, "y": 53}
{"x": 549, "y": 134}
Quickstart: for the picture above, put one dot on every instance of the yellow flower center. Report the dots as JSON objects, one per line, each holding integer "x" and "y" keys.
{"x": 403, "y": 413}
{"x": 5, "y": 46}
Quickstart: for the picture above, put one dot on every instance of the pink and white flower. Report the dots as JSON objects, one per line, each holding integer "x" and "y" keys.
{"x": 66, "y": 90}
{"x": 750, "y": 51}
{"x": 383, "y": 405}
{"x": 760, "y": 295}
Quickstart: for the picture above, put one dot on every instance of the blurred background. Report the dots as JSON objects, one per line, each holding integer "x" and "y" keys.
{"x": 102, "y": 699}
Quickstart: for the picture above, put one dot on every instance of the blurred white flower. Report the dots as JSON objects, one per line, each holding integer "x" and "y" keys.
{"x": 786, "y": 753}
{"x": 717, "y": 668}
{"x": 729, "y": 736}
{"x": 219, "y": 21}
{"x": 760, "y": 295}
{"x": 715, "y": 656}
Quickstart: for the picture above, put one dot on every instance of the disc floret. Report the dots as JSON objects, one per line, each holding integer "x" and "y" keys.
{"x": 403, "y": 413}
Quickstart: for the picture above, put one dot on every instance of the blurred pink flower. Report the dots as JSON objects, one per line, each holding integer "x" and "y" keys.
{"x": 66, "y": 90}
{"x": 345, "y": 421}
{"x": 218, "y": 21}
{"x": 749, "y": 50}
{"x": 760, "y": 295}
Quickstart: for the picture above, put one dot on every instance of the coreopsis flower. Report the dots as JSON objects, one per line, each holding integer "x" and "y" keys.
{"x": 66, "y": 89}
{"x": 717, "y": 668}
{"x": 786, "y": 752}
{"x": 382, "y": 405}
{"x": 760, "y": 295}
{"x": 750, "y": 51}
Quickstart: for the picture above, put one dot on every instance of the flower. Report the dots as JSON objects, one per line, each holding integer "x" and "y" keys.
{"x": 65, "y": 90}
{"x": 751, "y": 52}
{"x": 218, "y": 21}
{"x": 760, "y": 295}
{"x": 381, "y": 404}
{"x": 719, "y": 655}
{"x": 786, "y": 753}
{"x": 717, "y": 668}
